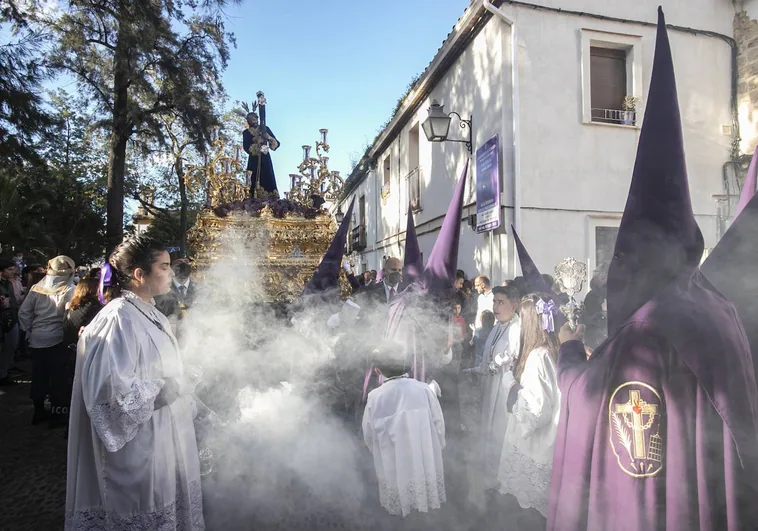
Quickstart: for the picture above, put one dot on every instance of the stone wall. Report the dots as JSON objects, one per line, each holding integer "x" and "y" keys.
{"x": 746, "y": 36}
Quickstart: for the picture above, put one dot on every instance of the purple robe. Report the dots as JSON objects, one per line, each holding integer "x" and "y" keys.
{"x": 689, "y": 470}
{"x": 658, "y": 428}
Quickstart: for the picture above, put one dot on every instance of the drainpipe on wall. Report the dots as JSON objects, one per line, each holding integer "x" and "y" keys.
{"x": 377, "y": 198}
{"x": 487, "y": 4}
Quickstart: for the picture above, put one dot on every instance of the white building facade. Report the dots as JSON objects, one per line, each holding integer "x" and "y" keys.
{"x": 567, "y": 147}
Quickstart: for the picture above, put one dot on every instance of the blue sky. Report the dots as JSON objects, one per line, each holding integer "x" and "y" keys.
{"x": 334, "y": 64}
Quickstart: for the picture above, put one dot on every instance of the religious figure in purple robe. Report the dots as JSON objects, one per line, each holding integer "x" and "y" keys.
{"x": 658, "y": 428}
{"x": 258, "y": 141}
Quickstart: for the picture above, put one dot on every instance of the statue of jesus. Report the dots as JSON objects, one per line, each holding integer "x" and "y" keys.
{"x": 257, "y": 141}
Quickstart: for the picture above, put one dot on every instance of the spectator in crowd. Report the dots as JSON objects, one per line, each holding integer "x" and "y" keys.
{"x": 8, "y": 319}
{"x": 41, "y": 317}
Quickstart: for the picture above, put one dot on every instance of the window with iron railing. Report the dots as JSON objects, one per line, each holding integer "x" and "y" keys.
{"x": 414, "y": 188}
{"x": 608, "y": 87}
{"x": 359, "y": 240}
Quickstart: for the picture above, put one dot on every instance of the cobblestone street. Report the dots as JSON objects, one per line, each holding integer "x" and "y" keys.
{"x": 33, "y": 461}
{"x": 32, "y": 464}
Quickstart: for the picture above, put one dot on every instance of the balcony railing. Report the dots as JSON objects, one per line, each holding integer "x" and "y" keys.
{"x": 614, "y": 116}
{"x": 414, "y": 188}
{"x": 359, "y": 238}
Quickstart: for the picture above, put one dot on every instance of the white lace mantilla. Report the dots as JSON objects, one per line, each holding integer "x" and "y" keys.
{"x": 527, "y": 479}
{"x": 420, "y": 496}
{"x": 116, "y": 422}
{"x": 184, "y": 514}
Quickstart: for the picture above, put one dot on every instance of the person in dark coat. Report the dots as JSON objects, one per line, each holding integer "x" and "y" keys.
{"x": 183, "y": 292}
{"x": 80, "y": 312}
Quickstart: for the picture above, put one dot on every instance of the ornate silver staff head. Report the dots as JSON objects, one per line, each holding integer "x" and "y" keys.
{"x": 570, "y": 275}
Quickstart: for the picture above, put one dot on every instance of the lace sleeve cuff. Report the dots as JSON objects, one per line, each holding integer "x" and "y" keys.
{"x": 525, "y": 416}
{"x": 116, "y": 422}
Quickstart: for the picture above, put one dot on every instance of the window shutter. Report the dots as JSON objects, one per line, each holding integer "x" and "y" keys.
{"x": 607, "y": 80}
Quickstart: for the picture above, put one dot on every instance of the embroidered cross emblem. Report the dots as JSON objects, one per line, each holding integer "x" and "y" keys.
{"x": 636, "y": 407}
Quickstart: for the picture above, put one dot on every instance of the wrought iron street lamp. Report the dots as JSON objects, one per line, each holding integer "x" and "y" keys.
{"x": 339, "y": 215}
{"x": 437, "y": 125}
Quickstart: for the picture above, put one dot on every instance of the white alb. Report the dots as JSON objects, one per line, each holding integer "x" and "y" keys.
{"x": 527, "y": 456}
{"x": 405, "y": 432}
{"x": 131, "y": 467}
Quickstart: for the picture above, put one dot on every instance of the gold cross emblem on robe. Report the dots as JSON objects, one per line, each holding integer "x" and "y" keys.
{"x": 636, "y": 407}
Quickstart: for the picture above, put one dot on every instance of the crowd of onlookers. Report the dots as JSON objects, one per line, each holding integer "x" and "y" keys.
{"x": 43, "y": 310}
{"x": 505, "y": 340}
{"x": 471, "y": 310}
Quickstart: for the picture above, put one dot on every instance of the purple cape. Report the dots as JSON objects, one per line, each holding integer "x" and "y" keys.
{"x": 658, "y": 427}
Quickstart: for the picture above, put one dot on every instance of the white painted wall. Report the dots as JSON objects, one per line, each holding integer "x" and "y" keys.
{"x": 712, "y": 15}
{"x": 574, "y": 175}
{"x": 750, "y": 7}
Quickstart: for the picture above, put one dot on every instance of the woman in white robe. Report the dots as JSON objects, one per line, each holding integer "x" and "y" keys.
{"x": 533, "y": 410}
{"x": 132, "y": 454}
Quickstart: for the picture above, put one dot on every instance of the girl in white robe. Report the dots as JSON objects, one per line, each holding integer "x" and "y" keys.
{"x": 533, "y": 409}
{"x": 132, "y": 454}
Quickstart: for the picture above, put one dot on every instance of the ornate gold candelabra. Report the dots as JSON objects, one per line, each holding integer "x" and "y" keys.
{"x": 219, "y": 173}
{"x": 315, "y": 178}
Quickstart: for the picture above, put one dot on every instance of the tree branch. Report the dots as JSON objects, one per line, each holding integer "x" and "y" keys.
{"x": 152, "y": 209}
{"x": 102, "y": 43}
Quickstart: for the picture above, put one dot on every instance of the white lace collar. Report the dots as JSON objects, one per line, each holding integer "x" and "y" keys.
{"x": 133, "y": 296}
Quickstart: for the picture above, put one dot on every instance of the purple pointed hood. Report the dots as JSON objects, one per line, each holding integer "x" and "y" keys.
{"x": 654, "y": 282}
{"x": 748, "y": 189}
{"x": 658, "y": 239}
{"x": 413, "y": 264}
{"x": 533, "y": 278}
{"x": 534, "y": 281}
{"x": 327, "y": 274}
{"x": 439, "y": 273}
{"x": 429, "y": 293}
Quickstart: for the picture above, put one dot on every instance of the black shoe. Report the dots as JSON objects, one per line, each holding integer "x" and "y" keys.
{"x": 7, "y": 381}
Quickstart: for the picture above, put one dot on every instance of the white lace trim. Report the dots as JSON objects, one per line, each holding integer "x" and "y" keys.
{"x": 527, "y": 419}
{"x": 420, "y": 496}
{"x": 116, "y": 422}
{"x": 184, "y": 514}
{"x": 193, "y": 406}
{"x": 526, "y": 479}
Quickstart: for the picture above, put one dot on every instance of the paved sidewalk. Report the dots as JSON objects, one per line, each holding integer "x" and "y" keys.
{"x": 32, "y": 464}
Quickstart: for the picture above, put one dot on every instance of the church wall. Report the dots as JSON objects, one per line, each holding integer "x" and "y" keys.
{"x": 574, "y": 173}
